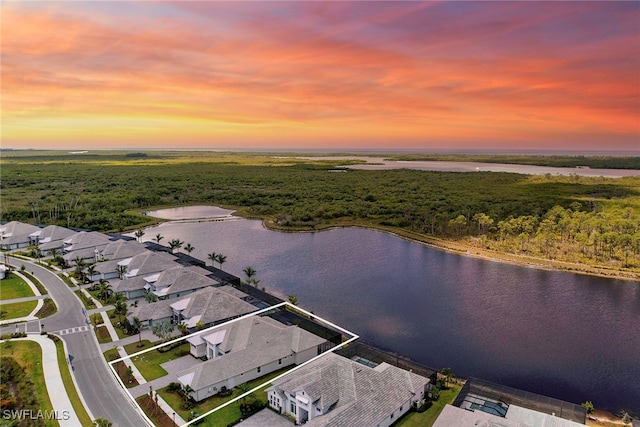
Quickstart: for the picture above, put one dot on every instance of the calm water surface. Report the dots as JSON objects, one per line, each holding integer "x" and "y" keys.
{"x": 568, "y": 336}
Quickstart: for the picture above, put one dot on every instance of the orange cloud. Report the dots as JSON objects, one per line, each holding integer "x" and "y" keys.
{"x": 343, "y": 77}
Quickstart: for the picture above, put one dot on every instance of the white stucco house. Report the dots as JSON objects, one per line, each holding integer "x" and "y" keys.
{"x": 15, "y": 235}
{"x": 179, "y": 281}
{"x": 246, "y": 350}
{"x": 208, "y": 306}
{"x": 50, "y": 237}
{"x": 84, "y": 244}
{"x": 336, "y": 391}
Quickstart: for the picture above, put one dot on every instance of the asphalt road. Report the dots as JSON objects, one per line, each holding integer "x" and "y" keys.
{"x": 100, "y": 390}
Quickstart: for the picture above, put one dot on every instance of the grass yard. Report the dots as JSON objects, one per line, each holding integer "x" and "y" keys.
{"x": 29, "y": 355}
{"x": 149, "y": 363}
{"x": 114, "y": 321}
{"x": 14, "y": 287}
{"x": 226, "y": 415}
{"x": 427, "y": 418}
{"x": 70, "y": 387}
{"x": 17, "y": 310}
{"x": 66, "y": 280}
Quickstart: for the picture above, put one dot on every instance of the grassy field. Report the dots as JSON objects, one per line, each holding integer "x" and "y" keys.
{"x": 14, "y": 287}
{"x": 17, "y": 309}
{"x": 427, "y": 418}
{"x": 29, "y": 355}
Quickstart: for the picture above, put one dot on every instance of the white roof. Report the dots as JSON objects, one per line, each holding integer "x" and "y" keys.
{"x": 35, "y": 233}
{"x": 215, "y": 338}
{"x": 195, "y": 340}
{"x": 181, "y": 305}
{"x": 186, "y": 379}
{"x": 152, "y": 278}
{"x": 193, "y": 321}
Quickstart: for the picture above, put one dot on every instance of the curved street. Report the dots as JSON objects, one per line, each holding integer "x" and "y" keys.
{"x": 102, "y": 395}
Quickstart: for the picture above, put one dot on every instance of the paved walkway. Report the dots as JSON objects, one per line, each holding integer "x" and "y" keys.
{"x": 136, "y": 373}
{"x": 53, "y": 380}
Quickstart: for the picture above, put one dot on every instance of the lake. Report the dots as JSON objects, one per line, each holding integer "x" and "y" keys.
{"x": 563, "y": 335}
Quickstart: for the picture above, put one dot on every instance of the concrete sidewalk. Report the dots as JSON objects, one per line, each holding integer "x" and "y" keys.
{"x": 60, "y": 402}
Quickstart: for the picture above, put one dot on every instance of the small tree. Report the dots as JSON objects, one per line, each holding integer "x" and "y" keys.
{"x": 588, "y": 405}
{"x": 129, "y": 373}
{"x": 213, "y": 257}
{"x": 101, "y": 422}
{"x": 189, "y": 248}
{"x": 293, "y": 299}
{"x": 163, "y": 330}
{"x": 150, "y": 297}
{"x": 626, "y": 419}
{"x": 448, "y": 376}
{"x": 158, "y": 238}
{"x": 137, "y": 326}
{"x": 175, "y": 244}
{"x": 221, "y": 259}
{"x": 122, "y": 270}
{"x": 139, "y": 234}
{"x": 121, "y": 308}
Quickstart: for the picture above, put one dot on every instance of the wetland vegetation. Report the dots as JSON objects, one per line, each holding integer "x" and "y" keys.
{"x": 571, "y": 222}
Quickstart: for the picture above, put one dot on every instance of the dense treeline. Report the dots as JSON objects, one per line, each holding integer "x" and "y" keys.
{"x": 578, "y": 219}
{"x": 17, "y": 392}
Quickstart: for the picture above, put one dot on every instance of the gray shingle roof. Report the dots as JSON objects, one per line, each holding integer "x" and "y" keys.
{"x": 121, "y": 249}
{"x": 86, "y": 239}
{"x": 149, "y": 262}
{"x": 214, "y": 304}
{"x": 183, "y": 279}
{"x": 153, "y": 311}
{"x": 256, "y": 341}
{"x": 128, "y": 285}
{"x": 363, "y": 395}
{"x": 52, "y": 236}
{"x": 16, "y": 232}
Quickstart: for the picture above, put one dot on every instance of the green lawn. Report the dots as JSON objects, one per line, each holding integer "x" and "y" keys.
{"x": 14, "y": 287}
{"x": 114, "y": 321}
{"x": 69, "y": 386}
{"x": 16, "y": 310}
{"x": 29, "y": 355}
{"x": 66, "y": 280}
{"x": 427, "y": 418}
{"x": 226, "y": 415}
{"x": 149, "y": 363}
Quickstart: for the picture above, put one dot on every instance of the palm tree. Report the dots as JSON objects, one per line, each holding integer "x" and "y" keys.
{"x": 91, "y": 271}
{"x": 139, "y": 234}
{"x": 104, "y": 289}
{"x": 187, "y": 390}
{"x": 175, "y": 244}
{"x": 55, "y": 253}
{"x": 122, "y": 270}
{"x": 189, "y": 248}
{"x": 101, "y": 422}
{"x": 158, "y": 238}
{"x": 213, "y": 257}
{"x": 137, "y": 325}
{"x": 221, "y": 259}
{"x": 250, "y": 272}
{"x": 79, "y": 269}
{"x": 121, "y": 308}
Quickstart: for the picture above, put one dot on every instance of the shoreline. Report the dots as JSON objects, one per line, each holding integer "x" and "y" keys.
{"x": 450, "y": 246}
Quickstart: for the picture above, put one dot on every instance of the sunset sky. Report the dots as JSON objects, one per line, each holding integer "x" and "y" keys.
{"x": 321, "y": 75}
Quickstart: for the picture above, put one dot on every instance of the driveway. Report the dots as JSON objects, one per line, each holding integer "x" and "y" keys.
{"x": 266, "y": 418}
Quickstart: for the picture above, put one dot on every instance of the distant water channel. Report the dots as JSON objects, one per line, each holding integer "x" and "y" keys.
{"x": 567, "y": 336}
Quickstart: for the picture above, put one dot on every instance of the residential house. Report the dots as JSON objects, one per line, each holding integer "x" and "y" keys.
{"x": 147, "y": 263}
{"x": 245, "y": 350}
{"x": 208, "y": 306}
{"x": 180, "y": 281}
{"x": 84, "y": 245}
{"x": 15, "y": 235}
{"x": 336, "y": 391}
{"x": 50, "y": 237}
{"x": 108, "y": 257}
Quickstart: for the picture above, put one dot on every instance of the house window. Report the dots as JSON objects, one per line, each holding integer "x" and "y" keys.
{"x": 293, "y": 408}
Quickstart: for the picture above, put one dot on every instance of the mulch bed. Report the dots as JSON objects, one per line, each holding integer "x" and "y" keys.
{"x": 121, "y": 369}
{"x": 157, "y": 415}
{"x": 103, "y": 334}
